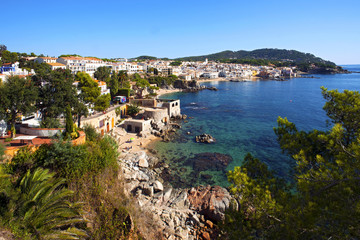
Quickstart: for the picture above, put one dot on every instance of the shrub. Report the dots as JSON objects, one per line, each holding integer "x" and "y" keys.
{"x": 91, "y": 134}
{"x": 133, "y": 110}
{"x": 124, "y": 92}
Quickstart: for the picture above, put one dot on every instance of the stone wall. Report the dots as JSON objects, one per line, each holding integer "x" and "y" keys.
{"x": 157, "y": 114}
{"x": 102, "y": 122}
{"x": 143, "y": 102}
{"x": 41, "y": 132}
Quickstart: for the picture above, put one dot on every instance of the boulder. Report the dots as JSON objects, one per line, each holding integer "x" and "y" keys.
{"x": 143, "y": 163}
{"x": 210, "y": 201}
{"x": 158, "y": 186}
{"x": 205, "y": 138}
{"x": 147, "y": 190}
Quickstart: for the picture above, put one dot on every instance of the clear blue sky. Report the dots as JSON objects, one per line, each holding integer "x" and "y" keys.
{"x": 329, "y": 29}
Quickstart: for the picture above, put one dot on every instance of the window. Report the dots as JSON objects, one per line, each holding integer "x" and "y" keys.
{"x": 101, "y": 123}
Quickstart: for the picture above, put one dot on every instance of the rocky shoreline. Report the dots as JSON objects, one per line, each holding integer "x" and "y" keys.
{"x": 189, "y": 213}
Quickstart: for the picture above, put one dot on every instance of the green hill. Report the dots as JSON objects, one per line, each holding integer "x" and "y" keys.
{"x": 266, "y": 53}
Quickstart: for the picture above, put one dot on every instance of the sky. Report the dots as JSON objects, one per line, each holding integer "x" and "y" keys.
{"x": 108, "y": 29}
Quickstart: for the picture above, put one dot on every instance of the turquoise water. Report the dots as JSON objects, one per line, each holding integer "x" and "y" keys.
{"x": 241, "y": 116}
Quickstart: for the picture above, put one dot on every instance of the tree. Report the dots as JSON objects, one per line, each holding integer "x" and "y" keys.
{"x": 327, "y": 169}
{"x": 133, "y": 110}
{"x": 102, "y": 102}
{"x": 69, "y": 122}
{"x": 9, "y": 57}
{"x": 2, "y": 48}
{"x": 42, "y": 208}
{"x": 324, "y": 201}
{"x": 18, "y": 96}
{"x": 90, "y": 90}
{"x": 124, "y": 79}
{"x": 114, "y": 84}
{"x": 81, "y": 110}
{"x": 56, "y": 91}
{"x": 261, "y": 199}
{"x": 103, "y": 74}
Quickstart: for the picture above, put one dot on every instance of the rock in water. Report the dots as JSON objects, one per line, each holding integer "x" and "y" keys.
{"x": 205, "y": 138}
{"x": 209, "y": 161}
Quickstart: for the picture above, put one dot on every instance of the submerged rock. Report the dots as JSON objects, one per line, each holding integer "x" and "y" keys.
{"x": 205, "y": 138}
{"x": 209, "y": 161}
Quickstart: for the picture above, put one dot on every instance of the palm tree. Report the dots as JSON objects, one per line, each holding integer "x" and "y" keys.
{"x": 43, "y": 208}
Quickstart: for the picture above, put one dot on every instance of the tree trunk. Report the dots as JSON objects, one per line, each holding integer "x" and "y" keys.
{"x": 79, "y": 120}
{"x": 12, "y": 129}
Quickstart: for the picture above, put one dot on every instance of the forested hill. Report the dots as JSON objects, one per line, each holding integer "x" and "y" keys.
{"x": 266, "y": 53}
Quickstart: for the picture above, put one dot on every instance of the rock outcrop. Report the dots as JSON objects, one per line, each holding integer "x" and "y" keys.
{"x": 205, "y": 138}
{"x": 180, "y": 213}
{"x": 210, "y": 201}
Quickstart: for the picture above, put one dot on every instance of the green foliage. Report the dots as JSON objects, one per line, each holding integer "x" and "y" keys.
{"x": 124, "y": 92}
{"x": 103, "y": 74}
{"x": 123, "y": 80}
{"x": 176, "y": 63}
{"x": 91, "y": 134}
{"x": 118, "y": 111}
{"x": 69, "y": 122}
{"x": 265, "y": 54}
{"x": 142, "y": 83}
{"x": 56, "y": 91}
{"x": 90, "y": 90}
{"x": 2, "y": 48}
{"x": 9, "y": 57}
{"x": 162, "y": 81}
{"x": 18, "y": 96}
{"x": 73, "y": 162}
{"x": 69, "y": 55}
{"x": 326, "y": 202}
{"x": 260, "y": 198}
{"x": 102, "y": 102}
{"x": 132, "y": 110}
{"x": 41, "y": 208}
{"x": 343, "y": 108}
{"x": 48, "y": 122}
{"x": 114, "y": 84}
{"x": 39, "y": 68}
{"x": 2, "y": 152}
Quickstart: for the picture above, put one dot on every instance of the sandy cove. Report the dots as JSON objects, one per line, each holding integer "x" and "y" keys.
{"x": 131, "y": 142}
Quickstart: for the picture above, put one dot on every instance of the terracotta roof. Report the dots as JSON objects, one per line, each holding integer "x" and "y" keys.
{"x": 100, "y": 83}
{"x": 92, "y": 58}
{"x": 48, "y": 58}
{"x": 56, "y": 64}
{"x": 73, "y": 58}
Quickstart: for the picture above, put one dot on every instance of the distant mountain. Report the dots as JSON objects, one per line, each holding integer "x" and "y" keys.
{"x": 266, "y": 53}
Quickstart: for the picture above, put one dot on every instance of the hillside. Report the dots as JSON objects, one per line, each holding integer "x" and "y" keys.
{"x": 266, "y": 53}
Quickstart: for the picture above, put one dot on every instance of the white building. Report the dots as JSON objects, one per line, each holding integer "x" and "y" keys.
{"x": 56, "y": 65}
{"x": 45, "y": 60}
{"x": 82, "y": 64}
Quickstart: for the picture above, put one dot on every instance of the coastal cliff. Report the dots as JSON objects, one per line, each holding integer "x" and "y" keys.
{"x": 188, "y": 213}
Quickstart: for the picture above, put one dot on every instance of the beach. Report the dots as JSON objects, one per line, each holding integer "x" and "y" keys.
{"x": 131, "y": 142}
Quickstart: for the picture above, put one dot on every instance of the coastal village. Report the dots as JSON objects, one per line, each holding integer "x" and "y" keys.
{"x": 181, "y": 213}
{"x": 134, "y": 116}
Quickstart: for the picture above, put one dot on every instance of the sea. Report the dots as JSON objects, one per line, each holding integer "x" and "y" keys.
{"x": 241, "y": 116}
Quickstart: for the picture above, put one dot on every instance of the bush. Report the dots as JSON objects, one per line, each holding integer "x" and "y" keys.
{"x": 133, "y": 110}
{"x": 124, "y": 92}
{"x": 91, "y": 134}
